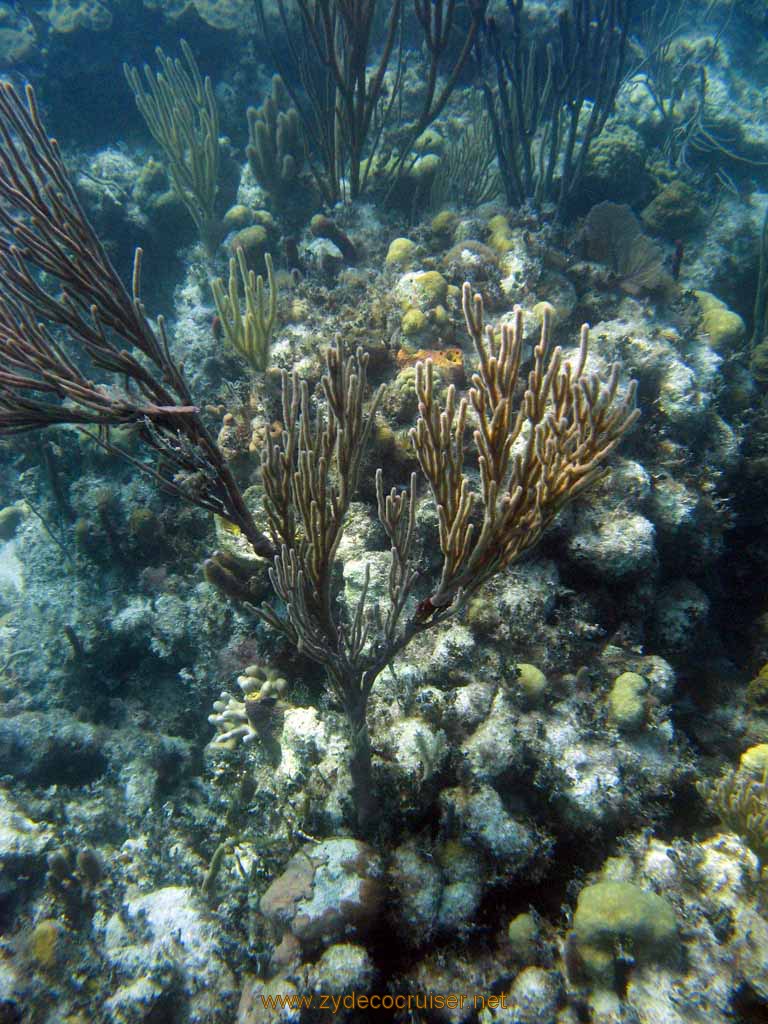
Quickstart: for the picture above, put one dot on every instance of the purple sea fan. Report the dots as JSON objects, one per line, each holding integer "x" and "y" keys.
{"x": 613, "y": 236}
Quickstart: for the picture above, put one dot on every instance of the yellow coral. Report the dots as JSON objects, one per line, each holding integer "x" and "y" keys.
{"x": 400, "y": 253}
{"x": 725, "y": 329}
{"x": 45, "y": 943}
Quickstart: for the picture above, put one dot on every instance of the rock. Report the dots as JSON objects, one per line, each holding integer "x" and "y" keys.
{"x": 418, "y": 888}
{"x": 463, "y": 873}
{"x": 680, "y": 614}
{"x": 420, "y": 752}
{"x": 11, "y": 989}
{"x": 609, "y": 547}
{"x": 533, "y": 999}
{"x": 485, "y": 822}
{"x": 328, "y": 891}
{"x": 343, "y": 967}
{"x": 48, "y": 749}
{"x": 267, "y": 1002}
{"x": 161, "y": 927}
{"x": 471, "y": 704}
{"x": 20, "y": 838}
{"x": 493, "y": 747}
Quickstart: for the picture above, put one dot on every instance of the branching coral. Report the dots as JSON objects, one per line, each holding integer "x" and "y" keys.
{"x": 533, "y": 459}
{"x": 740, "y": 800}
{"x": 248, "y": 333}
{"x": 56, "y": 343}
{"x": 347, "y": 100}
{"x": 246, "y": 719}
{"x": 275, "y": 150}
{"x": 468, "y": 174}
{"x": 180, "y": 110}
{"x": 552, "y": 99}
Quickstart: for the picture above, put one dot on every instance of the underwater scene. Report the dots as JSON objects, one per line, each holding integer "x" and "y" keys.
{"x": 383, "y": 511}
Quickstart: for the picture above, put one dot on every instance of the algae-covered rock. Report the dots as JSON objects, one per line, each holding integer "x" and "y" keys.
{"x": 616, "y": 166}
{"x": 673, "y": 212}
{"x": 237, "y": 217}
{"x": 220, "y": 14}
{"x": 424, "y": 169}
{"x": 430, "y": 141}
{"x": 757, "y": 692}
{"x": 425, "y": 323}
{"x": 470, "y": 260}
{"x": 66, "y": 16}
{"x": 18, "y": 41}
{"x": 500, "y": 238}
{"x": 423, "y": 290}
{"x": 413, "y": 323}
{"x": 759, "y": 362}
{"x": 254, "y": 242}
{"x": 46, "y": 944}
{"x": 620, "y": 917}
{"x": 726, "y": 330}
{"x": 542, "y": 309}
{"x": 444, "y": 224}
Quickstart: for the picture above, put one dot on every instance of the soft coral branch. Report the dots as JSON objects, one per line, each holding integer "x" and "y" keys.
{"x": 44, "y": 236}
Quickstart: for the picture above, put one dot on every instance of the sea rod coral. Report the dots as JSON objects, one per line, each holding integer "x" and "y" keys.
{"x": 534, "y": 454}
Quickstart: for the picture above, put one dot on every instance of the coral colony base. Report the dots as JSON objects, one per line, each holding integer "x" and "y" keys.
{"x": 481, "y": 595}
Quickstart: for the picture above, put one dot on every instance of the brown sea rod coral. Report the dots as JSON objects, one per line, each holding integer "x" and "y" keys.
{"x": 534, "y": 457}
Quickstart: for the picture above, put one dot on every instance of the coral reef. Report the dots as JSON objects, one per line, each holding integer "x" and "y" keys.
{"x": 503, "y": 759}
